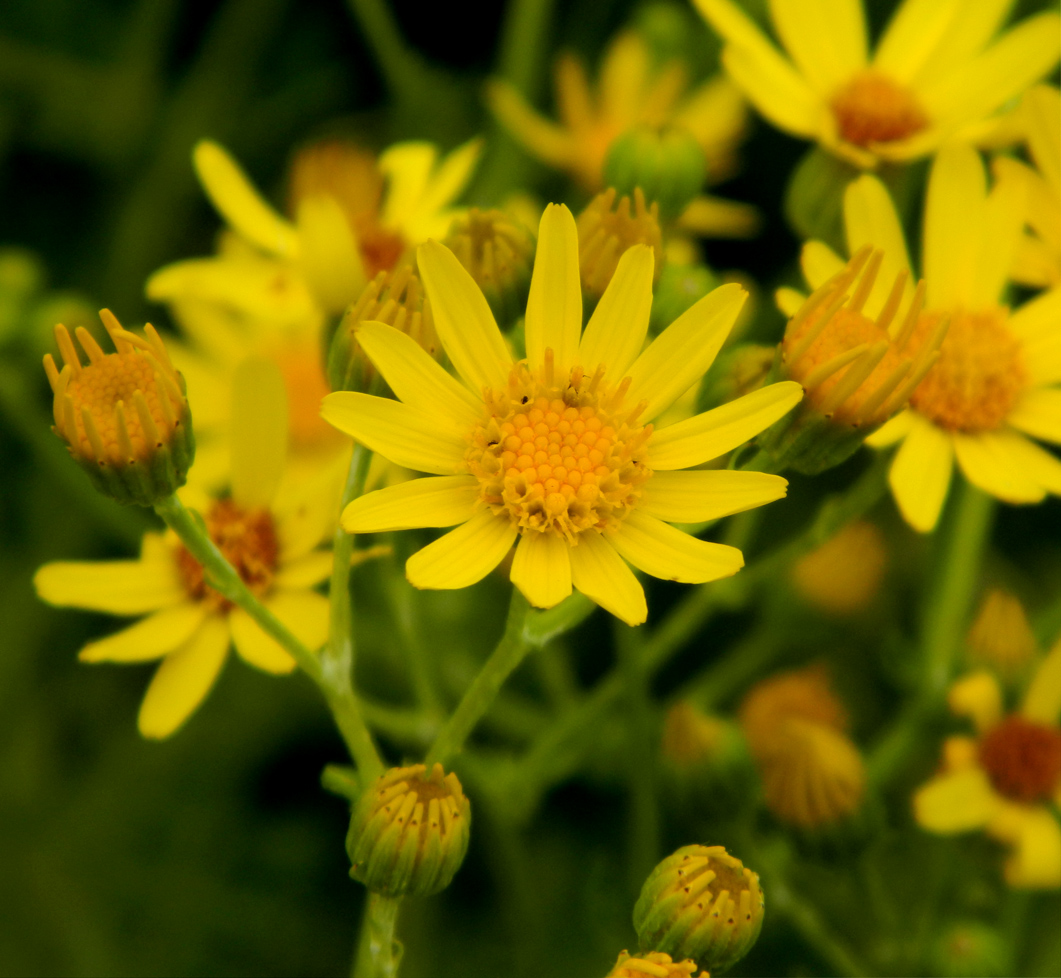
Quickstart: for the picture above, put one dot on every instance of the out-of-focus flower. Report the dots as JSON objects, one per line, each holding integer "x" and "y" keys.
{"x": 971, "y": 949}
{"x": 938, "y": 72}
{"x": 607, "y": 228}
{"x": 270, "y": 539}
{"x": 653, "y": 965}
{"x": 993, "y": 384}
{"x": 630, "y": 93}
{"x": 844, "y": 574}
{"x": 1038, "y": 258}
{"x": 1000, "y": 636}
{"x": 557, "y": 450}
{"x": 1006, "y": 780}
{"x": 813, "y": 775}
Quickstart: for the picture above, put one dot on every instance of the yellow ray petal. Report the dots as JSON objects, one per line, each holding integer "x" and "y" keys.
{"x": 543, "y": 138}
{"x": 150, "y": 638}
{"x": 969, "y": 28}
{"x": 541, "y": 568}
{"x": 912, "y": 35}
{"x": 819, "y": 263}
{"x": 659, "y": 549}
{"x": 448, "y": 181}
{"x": 464, "y": 555}
{"x": 181, "y": 683}
{"x": 789, "y": 300}
{"x": 398, "y": 432}
{"x": 1042, "y": 111}
{"x": 892, "y": 431}
{"x": 716, "y": 217}
{"x": 920, "y": 474}
{"x": 255, "y": 647}
{"x": 678, "y": 357}
{"x": 1036, "y": 859}
{"x": 957, "y": 802}
{"x": 239, "y": 203}
{"x": 979, "y": 697}
{"x": 407, "y": 167}
{"x": 442, "y": 501}
{"x": 329, "y": 257}
{"x": 416, "y": 377}
{"x": 554, "y": 306}
{"x": 954, "y": 214}
{"x": 463, "y": 319}
{"x": 616, "y": 331}
{"x": 1039, "y": 414}
{"x": 306, "y": 510}
{"x": 623, "y": 78}
{"x": 1042, "y": 699}
{"x": 603, "y": 576}
{"x": 258, "y": 432}
{"x": 870, "y": 218}
{"x": 305, "y": 613}
{"x": 826, "y": 38}
{"x": 1004, "y": 212}
{"x": 713, "y": 433}
{"x": 989, "y": 460}
{"x": 693, "y": 497}
{"x": 118, "y": 587}
{"x": 306, "y": 571}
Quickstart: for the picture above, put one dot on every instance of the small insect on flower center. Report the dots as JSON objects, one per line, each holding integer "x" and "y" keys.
{"x": 871, "y": 108}
{"x": 1022, "y": 759}
{"x": 250, "y": 544}
{"x": 564, "y": 457}
{"x": 979, "y": 376}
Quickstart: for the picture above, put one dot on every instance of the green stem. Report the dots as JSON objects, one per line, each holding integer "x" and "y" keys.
{"x": 400, "y": 65}
{"x": 337, "y": 660}
{"x": 379, "y": 954}
{"x": 503, "y": 660}
{"x": 808, "y": 922}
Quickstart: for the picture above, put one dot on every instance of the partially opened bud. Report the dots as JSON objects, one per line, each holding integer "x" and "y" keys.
{"x": 653, "y": 965}
{"x": 667, "y": 165}
{"x": 124, "y": 416}
{"x": 700, "y": 903}
{"x": 607, "y": 228}
{"x": 1001, "y": 636}
{"x": 409, "y": 832}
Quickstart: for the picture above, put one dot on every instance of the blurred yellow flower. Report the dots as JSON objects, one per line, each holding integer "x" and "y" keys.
{"x": 844, "y": 574}
{"x": 558, "y": 449}
{"x": 938, "y": 72}
{"x": 993, "y": 383}
{"x": 629, "y": 93}
{"x": 268, "y": 536}
{"x": 1001, "y": 636}
{"x": 1005, "y": 780}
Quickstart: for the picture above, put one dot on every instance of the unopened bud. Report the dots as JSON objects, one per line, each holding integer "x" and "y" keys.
{"x": 606, "y": 229}
{"x": 667, "y": 164}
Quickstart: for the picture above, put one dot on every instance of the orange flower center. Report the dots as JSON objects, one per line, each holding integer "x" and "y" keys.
{"x": 872, "y": 108}
{"x": 250, "y": 544}
{"x": 306, "y": 386}
{"x": 979, "y": 376}
{"x": 380, "y": 248}
{"x": 563, "y": 458}
{"x": 1022, "y": 759}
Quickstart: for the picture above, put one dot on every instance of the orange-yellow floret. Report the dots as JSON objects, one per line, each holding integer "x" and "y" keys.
{"x": 872, "y": 108}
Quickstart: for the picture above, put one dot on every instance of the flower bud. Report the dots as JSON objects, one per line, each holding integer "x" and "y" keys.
{"x": 606, "y": 229}
{"x": 970, "y": 950}
{"x": 844, "y": 574}
{"x": 700, "y": 903}
{"x": 124, "y": 416}
{"x": 409, "y": 832}
{"x": 679, "y": 288}
{"x": 396, "y": 298}
{"x": 667, "y": 164}
{"x": 653, "y": 965}
{"x": 857, "y": 371}
{"x": 498, "y": 252}
{"x": 1001, "y": 636}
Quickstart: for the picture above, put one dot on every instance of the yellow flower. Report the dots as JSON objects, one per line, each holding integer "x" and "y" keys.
{"x": 558, "y": 449}
{"x": 628, "y": 94}
{"x": 1038, "y": 259}
{"x": 938, "y": 71}
{"x": 1006, "y": 779}
{"x": 993, "y": 382}
{"x": 269, "y": 537}
{"x": 653, "y": 964}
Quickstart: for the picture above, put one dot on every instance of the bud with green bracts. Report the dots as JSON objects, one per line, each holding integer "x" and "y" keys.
{"x": 700, "y": 903}
{"x": 667, "y": 164}
{"x": 409, "y": 832}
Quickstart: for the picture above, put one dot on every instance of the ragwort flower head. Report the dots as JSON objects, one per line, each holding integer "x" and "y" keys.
{"x": 938, "y": 72}
{"x": 558, "y": 450}
{"x": 1006, "y": 780}
{"x": 994, "y": 382}
{"x": 269, "y": 537}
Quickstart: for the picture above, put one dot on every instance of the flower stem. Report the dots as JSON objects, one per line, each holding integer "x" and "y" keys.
{"x": 379, "y": 954}
{"x": 503, "y": 660}
{"x": 338, "y": 655}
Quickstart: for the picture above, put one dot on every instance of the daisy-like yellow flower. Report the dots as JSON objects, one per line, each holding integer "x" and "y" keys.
{"x": 938, "y": 72}
{"x": 630, "y": 93}
{"x": 558, "y": 450}
{"x": 1038, "y": 259}
{"x": 1006, "y": 780}
{"x": 268, "y": 537}
{"x": 993, "y": 383}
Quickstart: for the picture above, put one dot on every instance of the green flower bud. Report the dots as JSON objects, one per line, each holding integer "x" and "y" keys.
{"x": 409, "y": 832}
{"x": 653, "y": 965}
{"x": 498, "y": 252}
{"x": 700, "y": 903}
{"x": 970, "y": 950}
{"x": 680, "y": 286}
{"x": 124, "y": 416}
{"x": 667, "y": 164}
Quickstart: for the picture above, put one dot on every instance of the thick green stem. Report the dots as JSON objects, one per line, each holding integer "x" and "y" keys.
{"x": 337, "y": 661}
{"x": 810, "y": 926}
{"x": 503, "y": 660}
{"x": 379, "y": 954}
